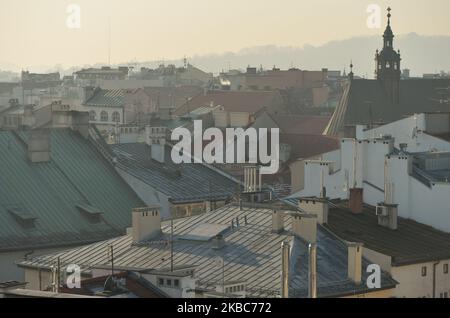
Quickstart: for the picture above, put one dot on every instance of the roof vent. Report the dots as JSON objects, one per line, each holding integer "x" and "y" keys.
{"x": 23, "y": 217}
{"x": 91, "y": 213}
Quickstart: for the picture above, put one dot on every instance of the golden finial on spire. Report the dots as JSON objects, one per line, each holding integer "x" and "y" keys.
{"x": 389, "y": 15}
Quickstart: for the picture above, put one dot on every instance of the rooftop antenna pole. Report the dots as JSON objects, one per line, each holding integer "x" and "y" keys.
{"x": 171, "y": 244}
{"x": 112, "y": 259}
{"x": 58, "y": 273}
{"x": 109, "y": 41}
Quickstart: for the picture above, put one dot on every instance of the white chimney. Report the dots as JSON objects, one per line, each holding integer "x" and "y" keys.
{"x": 312, "y": 271}
{"x": 146, "y": 223}
{"x": 355, "y": 262}
{"x": 305, "y": 227}
{"x": 277, "y": 221}
{"x": 252, "y": 179}
{"x": 285, "y": 255}
{"x": 156, "y": 139}
{"x": 39, "y": 145}
{"x": 315, "y": 206}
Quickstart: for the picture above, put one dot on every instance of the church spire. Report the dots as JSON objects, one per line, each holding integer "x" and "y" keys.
{"x": 388, "y": 63}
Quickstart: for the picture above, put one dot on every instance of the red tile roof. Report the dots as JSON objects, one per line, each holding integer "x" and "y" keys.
{"x": 307, "y": 146}
{"x": 232, "y": 101}
{"x": 301, "y": 124}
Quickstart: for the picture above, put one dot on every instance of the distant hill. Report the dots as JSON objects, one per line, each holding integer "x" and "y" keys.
{"x": 421, "y": 54}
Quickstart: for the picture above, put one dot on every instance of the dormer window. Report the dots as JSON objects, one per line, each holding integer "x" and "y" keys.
{"x": 24, "y": 218}
{"x": 91, "y": 213}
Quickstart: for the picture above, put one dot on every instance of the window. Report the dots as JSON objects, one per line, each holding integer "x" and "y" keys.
{"x": 92, "y": 115}
{"x": 103, "y": 116}
{"x": 176, "y": 283}
{"x": 445, "y": 268}
{"x": 169, "y": 282}
{"x": 424, "y": 271}
{"x": 116, "y": 117}
{"x": 160, "y": 281}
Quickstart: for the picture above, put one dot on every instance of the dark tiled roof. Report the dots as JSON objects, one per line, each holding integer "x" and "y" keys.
{"x": 416, "y": 96}
{"x": 411, "y": 243}
{"x": 252, "y": 254}
{"x": 181, "y": 182}
{"x": 48, "y": 193}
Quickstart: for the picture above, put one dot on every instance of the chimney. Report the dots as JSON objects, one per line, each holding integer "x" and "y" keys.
{"x": 277, "y": 221}
{"x": 355, "y": 262}
{"x": 156, "y": 139}
{"x": 252, "y": 179}
{"x": 355, "y": 202}
{"x": 312, "y": 271}
{"x": 146, "y": 223}
{"x": 29, "y": 120}
{"x": 39, "y": 145}
{"x": 387, "y": 215}
{"x": 315, "y": 206}
{"x": 305, "y": 227}
{"x": 285, "y": 254}
{"x": 80, "y": 123}
{"x": 218, "y": 242}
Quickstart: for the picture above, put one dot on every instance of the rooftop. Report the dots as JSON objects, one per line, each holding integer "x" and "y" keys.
{"x": 411, "y": 243}
{"x": 252, "y": 254}
{"x": 41, "y": 203}
{"x": 186, "y": 182}
{"x": 231, "y": 101}
{"x": 365, "y": 102}
{"x": 107, "y": 98}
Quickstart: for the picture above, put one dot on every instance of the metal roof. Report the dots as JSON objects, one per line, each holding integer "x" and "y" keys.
{"x": 107, "y": 98}
{"x": 49, "y": 194}
{"x": 252, "y": 254}
{"x": 186, "y": 182}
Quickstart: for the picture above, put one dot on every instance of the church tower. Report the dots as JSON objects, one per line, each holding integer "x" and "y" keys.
{"x": 388, "y": 69}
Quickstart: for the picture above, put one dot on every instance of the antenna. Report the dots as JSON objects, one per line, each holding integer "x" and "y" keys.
{"x": 109, "y": 41}
{"x": 171, "y": 244}
{"x": 110, "y": 254}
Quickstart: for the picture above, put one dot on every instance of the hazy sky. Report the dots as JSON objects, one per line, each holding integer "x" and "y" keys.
{"x": 34, "y": 32}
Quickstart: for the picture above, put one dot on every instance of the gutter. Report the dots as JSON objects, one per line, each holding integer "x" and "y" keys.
{"x": 434, "y": 278}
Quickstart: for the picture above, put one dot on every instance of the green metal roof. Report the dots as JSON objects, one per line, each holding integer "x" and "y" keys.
{"x": 51, "y": 194}
{"x": 107, "y": 98}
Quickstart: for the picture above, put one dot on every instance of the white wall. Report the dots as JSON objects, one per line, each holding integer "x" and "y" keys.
{"x": 416, "y": 200}
{"x": 8, "y": 268}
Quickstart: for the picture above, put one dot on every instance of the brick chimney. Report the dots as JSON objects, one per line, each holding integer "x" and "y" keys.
{"x": 355, "y": 262}
{"x": 315, "y": 206}
{"x": 156, "y": 139}
{"x": 277, "y": 221}
{"x": 146, "y": 223}
{"x": 39, "y": 145}
{"x": 305, "y": 226}
{"x": 355, "y": 202}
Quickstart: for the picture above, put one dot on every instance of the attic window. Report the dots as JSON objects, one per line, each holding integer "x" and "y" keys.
{"x": 23, "y": 217}
{"x": 91, "y": 213}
